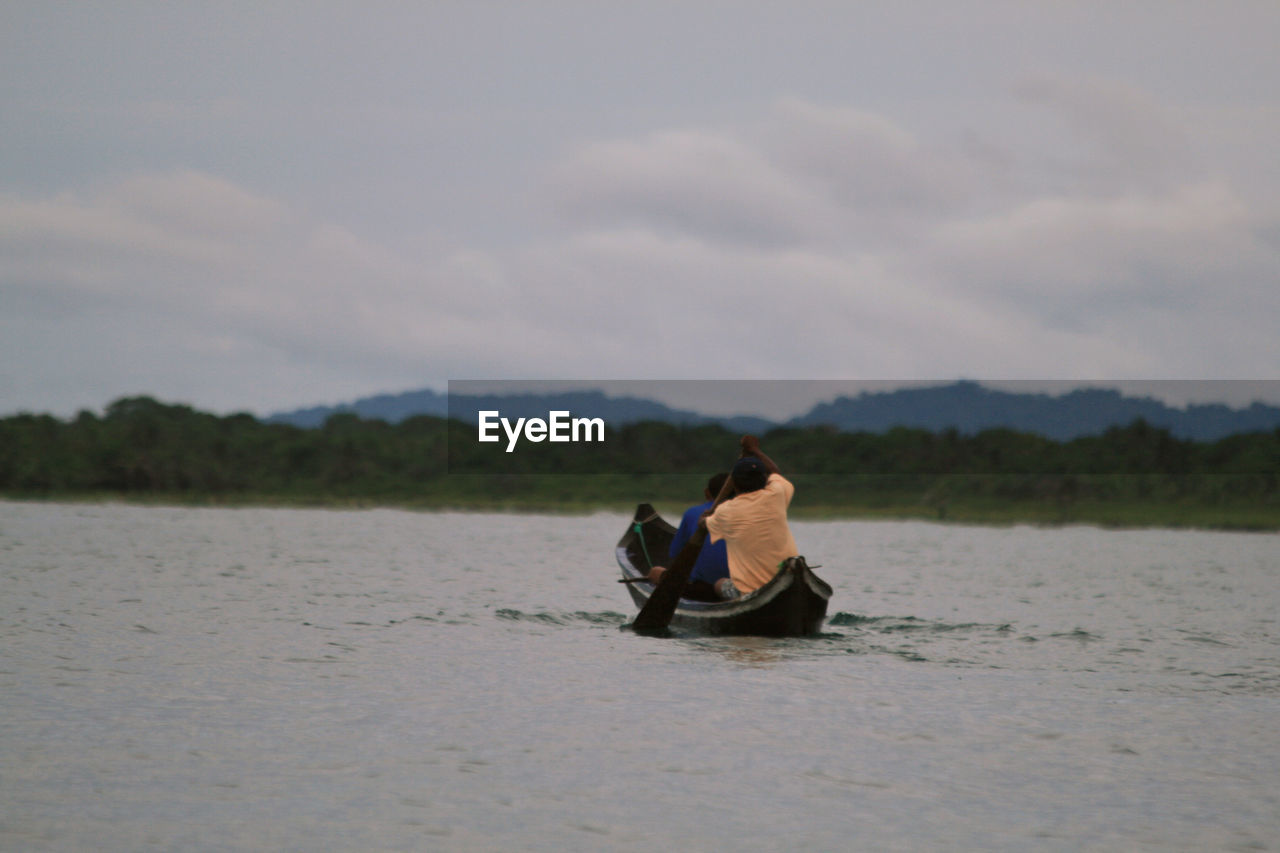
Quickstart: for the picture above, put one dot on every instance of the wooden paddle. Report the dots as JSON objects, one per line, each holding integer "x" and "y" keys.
{"x": 661, "y": 606}
{"x": 656, "y": 614}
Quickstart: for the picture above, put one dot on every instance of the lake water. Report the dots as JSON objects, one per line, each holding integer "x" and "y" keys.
{"x": 213, "y": 679}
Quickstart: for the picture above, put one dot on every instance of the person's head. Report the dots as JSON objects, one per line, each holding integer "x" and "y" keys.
{"x": 715, "y": 484}
{"x": 749, "y": 474}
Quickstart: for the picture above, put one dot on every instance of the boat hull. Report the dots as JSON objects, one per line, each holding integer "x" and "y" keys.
{"x": 793, "y": 604}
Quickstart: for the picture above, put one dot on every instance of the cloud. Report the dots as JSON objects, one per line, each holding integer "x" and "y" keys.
{"x": 1131, "y": 141}
{"x": 218, "y": 273}
{"x": 687, "y": 181}
{"x": 806, "y": 174}
{"x": 644, "y": 301}
{"x": 888, "y": 255}
{"x": 808, "y": 241}
{"x": 112, "y": 241}
{"x": 868, "y": 163}
{"x": 1054, "y": 251}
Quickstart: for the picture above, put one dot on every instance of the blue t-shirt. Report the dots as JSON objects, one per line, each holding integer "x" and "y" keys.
{"x": 713, "y": 559}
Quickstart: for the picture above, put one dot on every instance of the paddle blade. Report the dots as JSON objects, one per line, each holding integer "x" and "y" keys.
{"x": 661, "y": 606}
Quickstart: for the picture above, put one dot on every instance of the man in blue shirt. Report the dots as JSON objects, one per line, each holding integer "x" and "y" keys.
{"x": 713, "y": 559}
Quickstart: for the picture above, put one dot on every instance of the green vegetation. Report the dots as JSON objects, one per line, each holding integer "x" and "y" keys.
{"x": 143, "y": 450}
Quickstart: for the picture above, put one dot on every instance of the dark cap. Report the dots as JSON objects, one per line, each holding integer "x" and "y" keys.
{"x": 749, "y": 474}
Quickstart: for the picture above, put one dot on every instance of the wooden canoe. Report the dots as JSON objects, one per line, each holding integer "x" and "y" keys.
{"x": 793, "y": 604}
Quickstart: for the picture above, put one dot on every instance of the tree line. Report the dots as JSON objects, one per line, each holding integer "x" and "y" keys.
{"x": 142, "y": 448}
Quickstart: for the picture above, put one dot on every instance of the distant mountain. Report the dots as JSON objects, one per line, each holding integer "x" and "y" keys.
{"x": 593, "y": 404}
{"x": 391, "y": 408}
{"x": 968, "y": 407}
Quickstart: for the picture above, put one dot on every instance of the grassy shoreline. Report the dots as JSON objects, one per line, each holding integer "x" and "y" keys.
{"x": 147, "y": 452}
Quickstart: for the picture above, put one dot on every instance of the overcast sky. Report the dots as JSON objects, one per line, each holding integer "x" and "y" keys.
{"x": 263, "y": 205}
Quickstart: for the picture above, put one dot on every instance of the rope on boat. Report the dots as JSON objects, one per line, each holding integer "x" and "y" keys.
{"x": 637, "y": 526}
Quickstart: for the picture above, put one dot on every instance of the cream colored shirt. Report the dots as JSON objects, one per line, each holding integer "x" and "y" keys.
{"x": 755, "y": 526}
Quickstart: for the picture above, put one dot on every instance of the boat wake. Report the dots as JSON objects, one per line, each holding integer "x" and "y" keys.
{"x": 905, "y": 637}
{"x": 579, "y": 617}
{"x": 912, "y": 638}
{"x": 905, "y": 624}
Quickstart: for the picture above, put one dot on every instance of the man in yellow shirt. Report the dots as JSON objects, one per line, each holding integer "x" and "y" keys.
{"x": 754, "y": 522}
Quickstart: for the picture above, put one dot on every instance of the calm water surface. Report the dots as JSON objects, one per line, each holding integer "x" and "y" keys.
{"x": 192, "y": 679}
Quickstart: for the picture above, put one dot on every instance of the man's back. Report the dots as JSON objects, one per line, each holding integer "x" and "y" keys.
{"x": 754, "y": 525}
